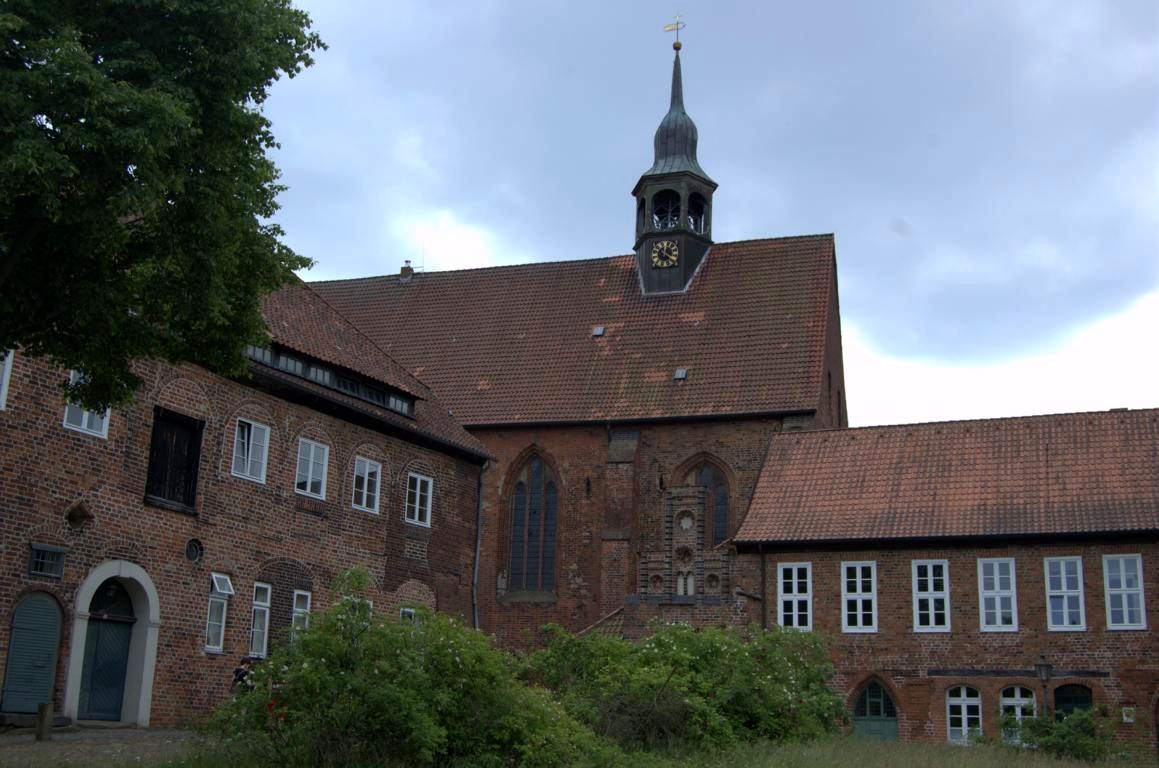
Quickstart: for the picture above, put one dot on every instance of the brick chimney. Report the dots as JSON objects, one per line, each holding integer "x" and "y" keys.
{"x": 406, "y": 273}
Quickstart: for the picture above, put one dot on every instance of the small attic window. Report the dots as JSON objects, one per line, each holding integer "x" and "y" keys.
{"x": 597, "y": 330}
{"x": 680, "y": 375}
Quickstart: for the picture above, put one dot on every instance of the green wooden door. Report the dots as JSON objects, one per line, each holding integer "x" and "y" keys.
{"x": 110, "y": 630}
{"x": 874, "y": 715}
{"x": 31, "y": 667}
{"x": 103, "y": 679}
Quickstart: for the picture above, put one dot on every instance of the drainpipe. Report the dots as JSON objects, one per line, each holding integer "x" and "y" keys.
{"x": 764, "y": 587}
{"x": 478, "y": 544}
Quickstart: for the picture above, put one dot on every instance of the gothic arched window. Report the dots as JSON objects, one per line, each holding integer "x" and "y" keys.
{"x": 709, "y": 477}
{"x": 533, "y": 518}
{"x": 666, "y": 210}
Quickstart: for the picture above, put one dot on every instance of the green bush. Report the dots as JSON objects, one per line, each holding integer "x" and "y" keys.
{"x": 681, "y": 687}
{"x": 1078, "y": 735}
{"x": 354, "y": 689}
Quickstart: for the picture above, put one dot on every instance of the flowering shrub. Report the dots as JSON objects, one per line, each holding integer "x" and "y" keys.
{"x": 697, "y": 688}
{"x": 355, "y": 689}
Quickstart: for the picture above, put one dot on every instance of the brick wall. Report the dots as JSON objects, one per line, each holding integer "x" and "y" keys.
{"x": 613, "y": 486}
{"x": 251, "y": 531}
{"x": 1119, "y": 666}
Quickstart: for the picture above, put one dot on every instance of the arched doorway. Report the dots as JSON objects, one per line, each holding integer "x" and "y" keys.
{"x": 30, "y": 670}
{"x": 124, "y": 619}
{"x": 874, "y": 714}
{"x": 106, "y": 654}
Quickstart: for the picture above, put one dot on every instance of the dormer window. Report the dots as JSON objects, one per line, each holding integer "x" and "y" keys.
{"x": 325, "y": 375}
{"x": 666, "y": 210}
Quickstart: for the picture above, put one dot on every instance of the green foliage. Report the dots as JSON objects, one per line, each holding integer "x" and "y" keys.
{"x": 1079, "y": 735}
{"x": 135, "y": 189}
{"x": 356, "y": 690}
{"x": 681, "y": 687}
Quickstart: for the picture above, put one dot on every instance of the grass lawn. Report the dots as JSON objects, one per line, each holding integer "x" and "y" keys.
{"x": 833, "y": 753}
{"x": 855, "y": 753}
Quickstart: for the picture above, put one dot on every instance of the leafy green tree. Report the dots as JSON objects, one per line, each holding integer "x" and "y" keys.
{"x": 135, "y": 187}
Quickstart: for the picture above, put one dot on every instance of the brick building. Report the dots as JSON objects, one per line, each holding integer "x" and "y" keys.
{"x": 146, "y": 550}
{"x": 963, "y": 569}
{"x": 658, "y": 435}
{"x": 632, "y": 402}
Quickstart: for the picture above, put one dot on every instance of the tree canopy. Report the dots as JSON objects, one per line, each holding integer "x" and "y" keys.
{"x": 135, "y": 187}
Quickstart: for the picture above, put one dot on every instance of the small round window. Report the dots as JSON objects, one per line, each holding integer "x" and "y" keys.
{"x": 194, "y": 550}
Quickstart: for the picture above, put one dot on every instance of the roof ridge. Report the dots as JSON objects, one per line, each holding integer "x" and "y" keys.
{"x": 533, "y": 264}
{"x": 984, "y": 420}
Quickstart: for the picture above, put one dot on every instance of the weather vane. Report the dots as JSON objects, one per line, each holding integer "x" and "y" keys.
{"x": 675, "y": 26}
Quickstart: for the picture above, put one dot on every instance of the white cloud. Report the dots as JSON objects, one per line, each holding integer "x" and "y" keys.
{"x": 1108, "y": 364}
{"x": 438, "y": 240}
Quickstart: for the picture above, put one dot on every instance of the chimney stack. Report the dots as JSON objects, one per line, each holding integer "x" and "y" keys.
{"x": 406, "y": 273}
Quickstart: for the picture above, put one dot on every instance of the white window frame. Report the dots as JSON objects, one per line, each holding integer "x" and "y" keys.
{"x": 221, "y": 583}
{"x": 414, "y": 510}
{"x": 1124, "y": 592}
{"x": 795, "y": 596}
{"x": 859, "y": 595}
{"x": 1066, "y": 593}
{"x": 260, "y": 617}
{"x": 406, "y": 614}
{"x": 90, "y": 422}
{"x": 308, "y": 451}
{"x": 1016, "y": 705}
{"x": 246, "y": 453}
{"x": 363, "y": 467}
{"x": 300, "y": 614}
{"x": 964, "y": 734}
{"x": 5, "y": 374}
{"x": 220, "y": 591}
{"x": 931, "y": 594}
{"x": 997, "y": 594}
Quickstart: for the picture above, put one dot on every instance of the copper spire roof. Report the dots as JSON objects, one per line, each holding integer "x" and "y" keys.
{"x": 510, "y": 345}
{"x": 676, "y": 137}
{"x": 1077, "y": 473}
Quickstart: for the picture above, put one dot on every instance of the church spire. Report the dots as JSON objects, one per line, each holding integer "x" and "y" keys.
{"x": 673, "y": 198}
{"x": 676, "y": 137}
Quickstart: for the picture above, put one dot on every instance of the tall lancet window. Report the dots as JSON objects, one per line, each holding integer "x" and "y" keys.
{"x": 533, "y": 523}
{"x": 712, "y": 479}
{"x": 666, "y": 210}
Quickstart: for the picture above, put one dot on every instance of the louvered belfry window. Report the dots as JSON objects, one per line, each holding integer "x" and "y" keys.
{"x": 533, "y": 525}
{"x": 174, "y": 456}
{"x": 709, "y": 477}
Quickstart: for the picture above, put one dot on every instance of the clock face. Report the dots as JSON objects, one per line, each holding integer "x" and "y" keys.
{"x": 665, "y": 254}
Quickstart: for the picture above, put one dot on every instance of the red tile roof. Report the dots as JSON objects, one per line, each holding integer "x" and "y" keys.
{"x": 1064, "y": 474}
{"x": 514, "y": 344}
{"x": 301, "y": 320}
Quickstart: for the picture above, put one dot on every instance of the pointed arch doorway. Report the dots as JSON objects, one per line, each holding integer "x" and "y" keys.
{"x": 874, "y": 714}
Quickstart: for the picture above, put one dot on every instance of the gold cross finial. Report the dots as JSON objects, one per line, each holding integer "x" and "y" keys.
{"x": 675, "y": 26}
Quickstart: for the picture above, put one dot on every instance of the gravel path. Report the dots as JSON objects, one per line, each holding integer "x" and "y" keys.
{"x": 99, "y": 748}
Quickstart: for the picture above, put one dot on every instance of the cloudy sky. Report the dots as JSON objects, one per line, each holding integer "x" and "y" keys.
{"x": 990, "y": 169}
